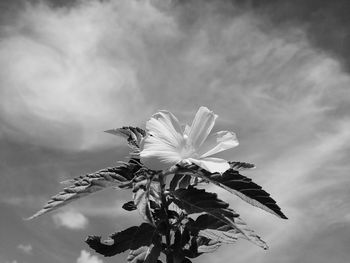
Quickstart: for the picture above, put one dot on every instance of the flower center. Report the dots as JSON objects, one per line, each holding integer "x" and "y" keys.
{"x": 187, "y": 150}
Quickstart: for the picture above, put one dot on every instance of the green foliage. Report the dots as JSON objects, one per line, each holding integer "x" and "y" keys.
{"x": 181, "y": 220}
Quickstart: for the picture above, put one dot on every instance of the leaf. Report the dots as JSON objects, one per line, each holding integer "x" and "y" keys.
{"x": 144, "y": 236}
{"x": 175, "y": 180}
{"x": 129, "y": 206}
{"x": 146, "y": 245}
{"x": 220, "y": 236}
{"x": 210, "y": 227}
{"x": 239, "y": 166}
{"x": 206, "y": 245}
{"x": 121, "y": 242}
{"x": 184, "y": 178}
{"x": 194, "y": 200}
{"x": 146, "y": 191}
{"x": 132, "y": 238}
{"x": 145, "y": 254}
{"x": 242, "y": 186}
{"x": 181, "y": 238}
{"x": 212, "y": 233}
{"x": 134, "y": 136}
{"x": 192, "y": 251}
{"x": 90, "y": 183}
{"x": 185, "y": 181}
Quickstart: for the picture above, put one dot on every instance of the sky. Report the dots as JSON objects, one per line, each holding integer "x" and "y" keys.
{"x": 276, "y": 72}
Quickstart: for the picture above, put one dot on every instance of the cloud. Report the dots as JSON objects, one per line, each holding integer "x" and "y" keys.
{"x": 86, "y": 257}
{"x": 71, "y": 72}
{"x": 70, "y": 219}
{"x": 27, "y": 249}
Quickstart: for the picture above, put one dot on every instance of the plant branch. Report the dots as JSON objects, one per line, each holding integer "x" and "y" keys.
{"x": 169, "y": 254}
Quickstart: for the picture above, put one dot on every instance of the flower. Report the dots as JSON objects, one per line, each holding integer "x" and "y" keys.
{"x": 167, "y": 143}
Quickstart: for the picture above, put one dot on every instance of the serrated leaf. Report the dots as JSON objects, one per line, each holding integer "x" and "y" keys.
{"x": 207, "y": 221}
{"x": 212, "y": 233}
{"x": 216, "y": 230}
{"x": 242, "y": 186}
{"x": 227, "y": 237}
{"x": 194, "y": 200}
{"x": 121, "y": 242}
{"x": 132, "y": 238}
{"x": 239, "y": 166}
{"x": 134, "y": 136}
{"x": 145, "y": 192}
{"x": 88, "y": 184}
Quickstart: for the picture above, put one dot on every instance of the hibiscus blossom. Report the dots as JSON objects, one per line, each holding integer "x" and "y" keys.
{"x": 167, "y": 143}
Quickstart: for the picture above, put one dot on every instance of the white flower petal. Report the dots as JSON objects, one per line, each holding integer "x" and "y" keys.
{"x": 163, "y": 141}
{"x": 218, "y": 142}
{"x": 187, "y": 129}
{"x": 165, "y": 126}
{"x": 155, "y": 147}
{"x": 212, "y": 165}
{"x": 201, "y": 126}
{"x": 158, "y": 155}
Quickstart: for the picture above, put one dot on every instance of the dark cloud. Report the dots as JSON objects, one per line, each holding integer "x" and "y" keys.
{"x": 327, "y": 23}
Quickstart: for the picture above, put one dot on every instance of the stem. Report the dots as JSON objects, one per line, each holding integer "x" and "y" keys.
{"x": 169, "y": 254}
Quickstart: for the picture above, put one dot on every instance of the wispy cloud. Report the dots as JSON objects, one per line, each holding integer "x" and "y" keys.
{"x": 86, "y": 257}
{"x": 73, "y": 69}
{"x": 76, "y": 71}
{"x": 70, "y": 219}
{"x": 71, "y": 72}
{"x": 27, "y": 249}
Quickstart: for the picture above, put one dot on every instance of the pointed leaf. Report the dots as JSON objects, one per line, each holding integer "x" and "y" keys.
{"x": 239, "y": 166}
{"x": 132, "y": 238}
{"x": 90, "y": 183}
{"x": 134, "y": 136}
{"x": 214, "y": 229}
{"x": 241, "y": 186}
{"x": 121, "y": 242}
{"x": 220, "y": 236}
{"x": 145, "y": 192}
{"x": 194, "y": 200}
